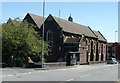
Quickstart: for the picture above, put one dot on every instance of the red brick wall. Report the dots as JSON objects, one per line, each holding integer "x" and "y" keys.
{"x": 117, "y": 51}
{"x": 86, "y": 47}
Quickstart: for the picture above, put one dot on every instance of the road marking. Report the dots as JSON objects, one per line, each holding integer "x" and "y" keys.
{"x": 10, "y": 75}
{"x": 110, "y": 65}
{"x": 85, "y": 75}
{"x": 29, "y": 72}
{"x": 70, "y": 80}
{"x": 43, "y": 71}
{"x": 61, "y": 69}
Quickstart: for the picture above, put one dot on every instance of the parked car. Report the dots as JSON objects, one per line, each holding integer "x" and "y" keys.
{"x": 112, "y": 61}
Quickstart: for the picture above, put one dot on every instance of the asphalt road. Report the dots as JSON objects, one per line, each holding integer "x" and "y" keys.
{"x": 95, "y": 72}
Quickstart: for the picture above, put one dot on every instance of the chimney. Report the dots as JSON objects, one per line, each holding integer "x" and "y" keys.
{"x": 70, "y": 18}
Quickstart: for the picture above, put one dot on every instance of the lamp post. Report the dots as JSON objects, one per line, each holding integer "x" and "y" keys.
{"x": 43, "y": 35}
{"x": 115, "y": 36}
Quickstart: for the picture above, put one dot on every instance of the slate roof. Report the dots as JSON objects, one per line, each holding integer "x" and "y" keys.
{"x": 119, "y": 43}
{"x": 110, "y": 44}
{"x": 100, "y": 36}
{"x": 75, "y": 28}
{"x": 37, "y": 19}
{"x": 72, "y": 40}
{"x": 70, "y": 27}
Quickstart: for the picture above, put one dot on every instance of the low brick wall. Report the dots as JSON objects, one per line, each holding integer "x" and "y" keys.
{"x": 55, "y": 64}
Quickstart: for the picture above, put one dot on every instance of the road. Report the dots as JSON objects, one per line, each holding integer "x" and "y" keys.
{"x": 94, "y": 72}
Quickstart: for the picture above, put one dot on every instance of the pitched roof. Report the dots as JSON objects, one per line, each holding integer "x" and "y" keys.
{"x": 109, "y": 44}
{"x": 72, "y": 40}
{"x": 68, "y": 26}
{"x": 75, "y": 28}
{"x": 119, "y": 43}
{"x": 100, "y": 36}
{"x": 112, "y": 43}
{"x": 37, "y": 19}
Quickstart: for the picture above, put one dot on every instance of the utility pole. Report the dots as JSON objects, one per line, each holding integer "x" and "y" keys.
{"x": 43, "y": 35}
{"x": 115, "y": 36}
{"x": 59, "y": 13}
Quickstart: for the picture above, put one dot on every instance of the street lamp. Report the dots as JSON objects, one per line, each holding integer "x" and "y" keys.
{"x": 115, "y": 35}
{"x": 43, "y": 35}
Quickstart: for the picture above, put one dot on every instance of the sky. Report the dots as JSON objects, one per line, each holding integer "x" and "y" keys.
{"x": 100, "y": 16}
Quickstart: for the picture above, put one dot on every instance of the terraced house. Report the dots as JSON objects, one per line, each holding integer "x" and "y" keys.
{"x": 70, "y": 42}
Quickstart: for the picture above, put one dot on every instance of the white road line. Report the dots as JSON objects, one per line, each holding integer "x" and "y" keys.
{"x": 29, "y": 72}
{"x": 43, "y": 71}
{"x": 70, "y": 80}
{"x": 10, "y": 75}
{"x": 3, "y": 75}
{"x": 85, "y": 75}
{"x": 61, "y": 69}
{"x": 110, "y": 65}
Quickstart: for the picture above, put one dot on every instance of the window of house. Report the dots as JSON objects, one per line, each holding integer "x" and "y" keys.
{"x": 108, "y": 50}
{"x": 86, "y": 42}
{"x": 113, "y": 49}
{"x": 108, "y": 54}
{"x": 49, "y": 37}
{"x": 99, "y": 49}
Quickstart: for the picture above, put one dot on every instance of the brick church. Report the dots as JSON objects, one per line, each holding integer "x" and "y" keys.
{"x": 70, "y": 42}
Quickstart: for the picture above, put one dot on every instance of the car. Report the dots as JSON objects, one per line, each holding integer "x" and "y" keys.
{"x": 112, "y": 61}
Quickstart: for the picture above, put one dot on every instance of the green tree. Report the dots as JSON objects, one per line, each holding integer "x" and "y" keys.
{"x": 20, "y": 38}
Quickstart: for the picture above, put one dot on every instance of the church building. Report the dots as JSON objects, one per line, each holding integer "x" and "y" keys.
{"x": 69, "y": 41}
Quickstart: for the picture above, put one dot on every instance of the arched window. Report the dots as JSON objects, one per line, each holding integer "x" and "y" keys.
{"x": 86, "y": 43}
{"x": 49, "y": 36}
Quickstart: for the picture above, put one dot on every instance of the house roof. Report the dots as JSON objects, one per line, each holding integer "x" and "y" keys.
{"x": 119, "y": 43}
{"x": 109, "y": 44}
{"x": 72, "y": 40}
{"x": 100, "y": 36}
{"x": 112, "y": 43}
{"x": 72, "y": 27}
{"x": 37, "y": 19}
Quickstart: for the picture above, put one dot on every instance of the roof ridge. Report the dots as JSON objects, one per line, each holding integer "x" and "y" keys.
{"x": 92, "y": 31}
{"x": 69, "y": 21}
{"x": 31, "y": 17}
{"x": 36, "y": 18}
{"x": 102, "y": 35}
{"x": 78, "y": 27}
{"x": 33, "y": 14}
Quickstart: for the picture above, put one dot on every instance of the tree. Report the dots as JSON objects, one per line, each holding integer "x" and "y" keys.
{"x": 20, "y": 38}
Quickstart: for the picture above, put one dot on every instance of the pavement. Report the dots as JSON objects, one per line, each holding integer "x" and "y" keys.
{"x": 95, "y": 72}
{"x": 8, "y": 71}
